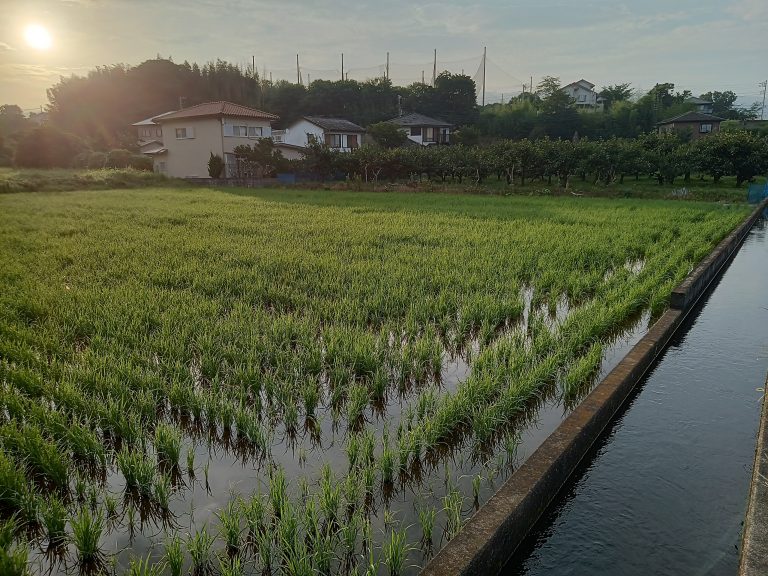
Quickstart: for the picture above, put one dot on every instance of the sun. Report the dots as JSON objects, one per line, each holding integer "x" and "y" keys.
{"x": 37, "y": 37}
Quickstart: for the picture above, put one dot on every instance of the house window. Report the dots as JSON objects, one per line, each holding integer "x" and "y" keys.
{"x": 416, "y": 131}
{"x": 430, "y": 135}
{"x": 311, "y": 138}
{"x": 158, "y": 131}
{"x": 184, "y": 133}
{"x": 333, "y": 140}
{"x": 352, "y": 141}
{"x": 705, "y": 128}
{"x": 254, "y": 131}
{"x": 161, "y": 167}
{"x": 241, "y": 131}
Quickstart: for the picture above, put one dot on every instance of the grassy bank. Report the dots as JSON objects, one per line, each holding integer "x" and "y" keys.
{"x": 60, "y": 180}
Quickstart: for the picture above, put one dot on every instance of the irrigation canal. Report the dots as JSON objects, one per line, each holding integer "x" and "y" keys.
{"x": 665, "y": 489}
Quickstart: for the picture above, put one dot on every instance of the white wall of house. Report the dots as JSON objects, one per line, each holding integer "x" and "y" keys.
{"x": 427, "y": 136}
{"x": 583, "y": 95}
{"x": 299, "y": 132}
{"x": 190, "y": 142}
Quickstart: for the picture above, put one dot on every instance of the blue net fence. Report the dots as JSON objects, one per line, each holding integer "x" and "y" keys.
{"x": 757, "y": 192}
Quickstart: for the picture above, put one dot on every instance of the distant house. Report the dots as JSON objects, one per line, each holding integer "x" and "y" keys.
{"x": 697, "y": 124}
{"x": 189, "y": 136}
{"x": 150, "y": 134}
{"x": 336, "y": 133}
{"x": 702, "y": 106}
{"x": 423, "y": 129}
{"x": 584, "y": 95}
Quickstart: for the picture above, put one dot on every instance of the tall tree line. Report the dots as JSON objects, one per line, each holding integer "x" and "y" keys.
{"x": 100, "y": 107}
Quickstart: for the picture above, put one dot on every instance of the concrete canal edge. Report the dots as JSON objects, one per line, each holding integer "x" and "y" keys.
{"x": 754, "y": 544}
{"x": 491, "y": 536}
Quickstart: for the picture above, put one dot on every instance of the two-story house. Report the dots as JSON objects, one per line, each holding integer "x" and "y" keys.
{"x": 190, "y": 135}
{"x": 336, "y": 133}
{"x": 424, "y": 130}
{"x": 703, "y": 106}
{"x": 150, "y": 134}
{"x": 584, "y": 96}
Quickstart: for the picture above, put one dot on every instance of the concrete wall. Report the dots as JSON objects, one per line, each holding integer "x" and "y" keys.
{"x": 491, "y": 536}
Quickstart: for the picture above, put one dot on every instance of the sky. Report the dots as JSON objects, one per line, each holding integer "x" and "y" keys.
{"x": 699, "y": 45}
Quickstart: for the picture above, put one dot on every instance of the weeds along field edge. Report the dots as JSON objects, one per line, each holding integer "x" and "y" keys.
{"x": 293, "y": 381}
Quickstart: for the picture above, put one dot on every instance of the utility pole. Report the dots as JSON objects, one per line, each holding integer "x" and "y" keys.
{"x": 531, "y": 86}
{"x": 253, "y": 66}
{"x": 422, "y": 76}
{"x": 434, "y": 69}
{"x": 485, "y": 48}
{"x": 387, "y": 69}
{"x": 764, "y": 86}
{"x": 298, "y": 70}
{"x": 342, "y": 65}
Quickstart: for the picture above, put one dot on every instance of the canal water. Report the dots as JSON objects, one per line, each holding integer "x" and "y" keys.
{"x": 665, "y": 489}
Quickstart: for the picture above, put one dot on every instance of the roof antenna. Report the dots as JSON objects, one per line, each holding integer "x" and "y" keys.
{"x": 181, "y": 102}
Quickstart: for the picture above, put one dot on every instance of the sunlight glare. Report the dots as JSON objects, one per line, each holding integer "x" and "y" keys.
{"x": 37, "y": 37}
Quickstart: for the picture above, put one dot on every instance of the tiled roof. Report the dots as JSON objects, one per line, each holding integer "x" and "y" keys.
{"x": 416, "y": 119}
{"x": 336, "y": 124}
{"x": 218, "y": 109}
{"x": 692, "y": 117}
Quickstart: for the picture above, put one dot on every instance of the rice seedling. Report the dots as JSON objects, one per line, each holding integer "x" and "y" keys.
{"x": 229, "y": 520}
{"x": 138, "y": 470}
{"x": 387, "y": 465}
{"x": 87, "y": 531}
{"x": 452, "y": 504}
{"x": 330, "y": 494}
{"x": 199, "y": 547}
{"x": 54, "y": 520}
{"x": 476, "y": 482}
{"x": 174, "y": 555}
{"x": 144, "y": 567}
{"x": 168, "y": 444}
{"x": 13, "y": 557}
{"x": 191, "y": 462}
{"x": 427, "y": 523}
{"x": 162, "y": 491}
{"x": 396, "y": 550}
{"x": 231, "y": 567}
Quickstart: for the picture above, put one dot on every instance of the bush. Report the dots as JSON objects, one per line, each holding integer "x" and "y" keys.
{"x": 215, "y": 166}
{"x": 119, "y": 158}
{"x": 141, "y": 162}
{"x": 96, "y": 160}
{"x": 47, "y": 147}
{"x": 387, "y": 135}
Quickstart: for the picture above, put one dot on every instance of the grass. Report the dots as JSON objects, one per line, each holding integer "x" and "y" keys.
{"x": 57, "y": 180}
{"x": 299, "y": 342}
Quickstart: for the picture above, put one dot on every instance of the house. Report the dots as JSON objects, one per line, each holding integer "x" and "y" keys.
{"x": 703, "y": 106}
{"x": 189, "y": 136}
{"x": 336, "y": 133}
{"x": 697, "y": 124}
{"x": 423, "y": 129}
{"x": 150, "y": 134}
{"x": 584, "y": 96}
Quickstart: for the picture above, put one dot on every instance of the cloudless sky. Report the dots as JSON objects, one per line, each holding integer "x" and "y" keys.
{"x": 700, "y": 45}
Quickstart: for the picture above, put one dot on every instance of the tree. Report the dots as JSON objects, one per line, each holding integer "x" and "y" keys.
{"x": 558, "y": 117}
{"x": 12, "y": 120}
{"x": 387, "y": 134}
{"x": 616, "y": 93}
{"x": 261, "y": 160}
{"x": 47, "y": 147}
{"x": 738, "y": 153}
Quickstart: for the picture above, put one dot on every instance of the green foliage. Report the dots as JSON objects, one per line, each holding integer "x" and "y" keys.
{"x": 215, "y": 166}
{"x": 387, "y": 134}
{"x": 63, "y": 180}
{"x": 262, "y": 160}
{"x": 47, "y": 147}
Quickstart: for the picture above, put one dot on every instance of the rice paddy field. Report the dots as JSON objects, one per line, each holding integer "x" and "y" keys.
{"x": 298, "y": 382}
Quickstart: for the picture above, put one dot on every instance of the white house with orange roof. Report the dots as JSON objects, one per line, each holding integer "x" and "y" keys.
{"x": 190, "y": 135}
